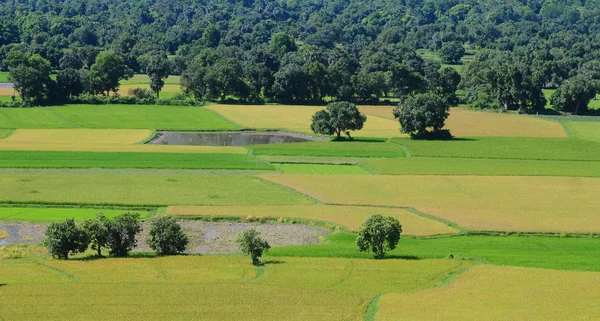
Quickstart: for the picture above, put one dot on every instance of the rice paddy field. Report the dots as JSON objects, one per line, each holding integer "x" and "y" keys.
{"x": 499, "y": 223}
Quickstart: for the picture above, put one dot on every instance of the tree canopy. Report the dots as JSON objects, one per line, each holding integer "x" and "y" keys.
{"x": 339, "y": 117}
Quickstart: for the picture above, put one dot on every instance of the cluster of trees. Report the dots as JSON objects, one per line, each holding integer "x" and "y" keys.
{"x": 119, "y": 236}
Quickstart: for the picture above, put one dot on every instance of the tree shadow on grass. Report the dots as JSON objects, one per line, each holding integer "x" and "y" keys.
{"x": 269, "y": 262}
{"x": 402, "y": 257}
{"x": 133, "y": 255}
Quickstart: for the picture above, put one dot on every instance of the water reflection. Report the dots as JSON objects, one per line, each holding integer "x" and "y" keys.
{"x": 229, "y": 138}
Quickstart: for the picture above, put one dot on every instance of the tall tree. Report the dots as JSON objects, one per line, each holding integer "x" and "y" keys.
{"x": 575, "y": 94}
{"x": 107, "y": 72}
{"x": 30, "y": 75}
{"x": 157, "y": 69}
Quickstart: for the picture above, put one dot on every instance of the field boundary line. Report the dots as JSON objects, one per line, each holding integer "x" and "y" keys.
{"x": 58, "y": 271}
{"x": 452, "y": 276}
{"x": 153, "y": 134}
{"x": 372, "y": 308}
{"x": 308, "y": 197}
{"x": 405, "y": 149}
{"x": 66, "y": 120}
{"x": 216, "y": 113}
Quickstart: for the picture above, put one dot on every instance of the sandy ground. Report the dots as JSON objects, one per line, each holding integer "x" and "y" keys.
{"x": 205, "y": 237}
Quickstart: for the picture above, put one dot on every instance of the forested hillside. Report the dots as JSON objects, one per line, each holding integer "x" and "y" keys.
{"x": 307, "y": 50}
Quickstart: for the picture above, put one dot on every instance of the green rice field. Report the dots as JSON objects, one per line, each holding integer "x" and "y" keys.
{"x": 49, "y": 214}
{"x": 329, "y": 149}
{"x": 319, "y": 169}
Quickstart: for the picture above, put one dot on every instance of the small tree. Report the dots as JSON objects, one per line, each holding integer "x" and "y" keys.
{"x": 421, "y": 112}
{"x": 251, "y": 244}
{"x": 167, "y": 237}
{"x": 64, "y": 238}
{"x": 451, "y": 52}
{"x": 157, "y": 69}
{"x": 108, "y": 70}
{"x": 379, "y": 234}
{"x": 338, "y": 117}
{"x": 122, "y": 232}
{"x": 97, "y": 231}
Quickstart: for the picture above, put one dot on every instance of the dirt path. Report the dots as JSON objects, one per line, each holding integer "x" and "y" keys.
{"x": 205, "y": 237}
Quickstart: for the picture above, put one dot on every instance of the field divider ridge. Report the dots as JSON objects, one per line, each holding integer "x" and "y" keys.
{"x": 405, "y": 149}
{"x": 66, "y": 120}
{"x": 58, "y": 271}
{"x": 372, "y": 308}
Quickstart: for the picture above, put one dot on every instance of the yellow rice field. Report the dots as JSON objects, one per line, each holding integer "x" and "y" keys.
{"x": 99, "y": 140}
{"x": 297, "y": 119}
{"x": 463, "y": 122}
{"x": 8, "y": 92}
{"x": 3, "y": 234}
{"x": 501, "y": 293}
{"x": 168, "y": 88}
{"x": 490, "y": 203}
{"x": 350, "y": 217}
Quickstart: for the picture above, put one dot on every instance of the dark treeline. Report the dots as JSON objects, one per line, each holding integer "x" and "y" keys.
{"x": 311, "y": 50}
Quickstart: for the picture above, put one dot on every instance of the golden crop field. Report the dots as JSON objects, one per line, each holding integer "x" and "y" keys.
{"x": 490, "y": 203}
{"x": 8, "y": 92}
{"x": 208, "y": 287}
{"x": 99, "y": 140}
{"x": 463, "y": 122}
{"x": 168, "y": 88}
{"x": 297, "y": 119}
{"x": 3, "y": 234}
{"x": 501, "y": 293}
{"x": 350, "y": 217}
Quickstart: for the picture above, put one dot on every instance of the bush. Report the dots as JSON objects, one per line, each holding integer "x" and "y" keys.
{"x": 141, "y": 93}
{"x": 64, "y": 238}
{"x": 122, "y": 232}
{"x": 166, "y": 237}
{"x": 251, "y": 244}
{"x": 379, "y": 234}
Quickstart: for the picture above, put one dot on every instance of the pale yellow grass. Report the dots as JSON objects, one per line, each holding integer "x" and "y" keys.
{"x": 490, "y": 203}
{"x": 297, "y": 119}
{"x": 99, "y": 140}
{"x": 3, "y": 234}
{"x": 8, "y": 92}
{"x": 463, "y": 122}
{"x": 124, "y": 89}
{"x": 350, "y": 217}
{"x": 501, "y": 293}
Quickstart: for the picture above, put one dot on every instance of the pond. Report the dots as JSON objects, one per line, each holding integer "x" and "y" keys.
{"x": 230, "y": 138}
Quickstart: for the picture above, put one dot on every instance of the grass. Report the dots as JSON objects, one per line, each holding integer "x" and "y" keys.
{"x": 141, "y": 188}
{"x": 320, "y": 169}
{"x": 350, "y": 217}
{"x": 481, "y": 166}
{"x": 505, "y": 148}
{"x": 331, "y": 149}
{"x": 589, "y": 131}
{"x": 525, "y": 251}
{"x": 501, "y": 294}
{"x": 141, "y": 79}
{"x": 3, "y": 76}
{"x": 48, "y": 214}
{"x": 463, "y": 122}
{"x": 3, "y": 234}
{"x": 488, "y": 203}
{"x": 114, "y": 117}
{"x": 63, "y": 159}
{"x": 297, "y": 119}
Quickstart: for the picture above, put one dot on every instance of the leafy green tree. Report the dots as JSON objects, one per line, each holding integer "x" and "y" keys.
{"x": 69, "y": 83}
{"x": 122, "y": 232}
{"x": 451, "y": 52}
{"x": 64, "y": 238}
{"x": 421, "y": 112}
{"x": 97, "y": 230}
{"x": 211, "y": 36}
{"x": 291, "y": 84}
{"x": 378, "y": 235}
{"x": 30, "y": 75}
{"x": 108, "y": 70}
{"x": 158, "y": 68}
{"x": 282, "y": 43}
{"x": 405, "y": 81}
{"x": 338, "y": 117}
{"x": 575, "y": 94}
{"x": 166, "y": 236}
{"x": 251, "y": 244}
{"x": 192, "y": 79}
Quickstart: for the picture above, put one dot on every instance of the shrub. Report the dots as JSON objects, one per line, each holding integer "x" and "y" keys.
{"x": 141, "y": 93}
{"x": 122, "y": 232}
{"x": 251, "y": 244}
{"x": 166, "y": 236}
{"x": 379, "y": 234}
{"x": 64, "y": 238}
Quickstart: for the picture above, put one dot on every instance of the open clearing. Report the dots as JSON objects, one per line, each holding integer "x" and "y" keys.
{"x": 42, "y": 214}
{"x": 350, "y": 217}
{"x": 331, "y": 149}
{"x": 490, "y": 203}
{"x": 501, "y": 293}
{"x": 462, "y": 122}
{"x": 320, "y": 169}
{"x": 297, "y": 119}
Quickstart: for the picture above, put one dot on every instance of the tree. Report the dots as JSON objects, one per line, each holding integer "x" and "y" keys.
{"x": 338, "y": 117}
{"x": 122, "y": 232}
{"x": 451, "y": 52}
{"x": 421, "y": 112}
{"x": 282, "y": 43}
{"x": 69, "y": 83}
{"x": 64, "y": 238}
{"x": 97, "y": 230}
{"x": 30, "y": 75}
{"x": 166, "y": 236}
{"x": 575, "y": 94}
{"x": 211, "y": 36}
{"x": 251, "y": 244}
{"x": 108, "y": 70}
{"x": 379, "y": 234}
{"x": 157, "y": 69}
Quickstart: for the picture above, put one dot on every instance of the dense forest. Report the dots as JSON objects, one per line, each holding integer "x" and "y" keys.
{"x": 311, "y": 50}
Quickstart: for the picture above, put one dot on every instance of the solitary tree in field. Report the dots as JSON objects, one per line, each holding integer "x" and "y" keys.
{"x": 64, "y": 238}
{"x": 122, "y": 232}
{"x": 379, "y": 234}
{"x": 97, "y": 230}
{"x": 421, "y": 112}
{"x": 158, "y": 68}
{"x": 337, "y": 118}
{"x": 166, "y": 236}
{"x": 251, "y": 244}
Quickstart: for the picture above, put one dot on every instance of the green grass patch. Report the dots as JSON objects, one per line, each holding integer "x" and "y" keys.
{"x": 505, "y": 148}
{"x": 141, "y": 79}
{"x": 320, "y": 169}
{"x": 528, "y": 251}
{"x": 42, "y": 159}
{"x": 3, "y": 76}
{"x": 479, "y": 166}
{"x": 49, "y": 214}
{"x": 331, "y": 149}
